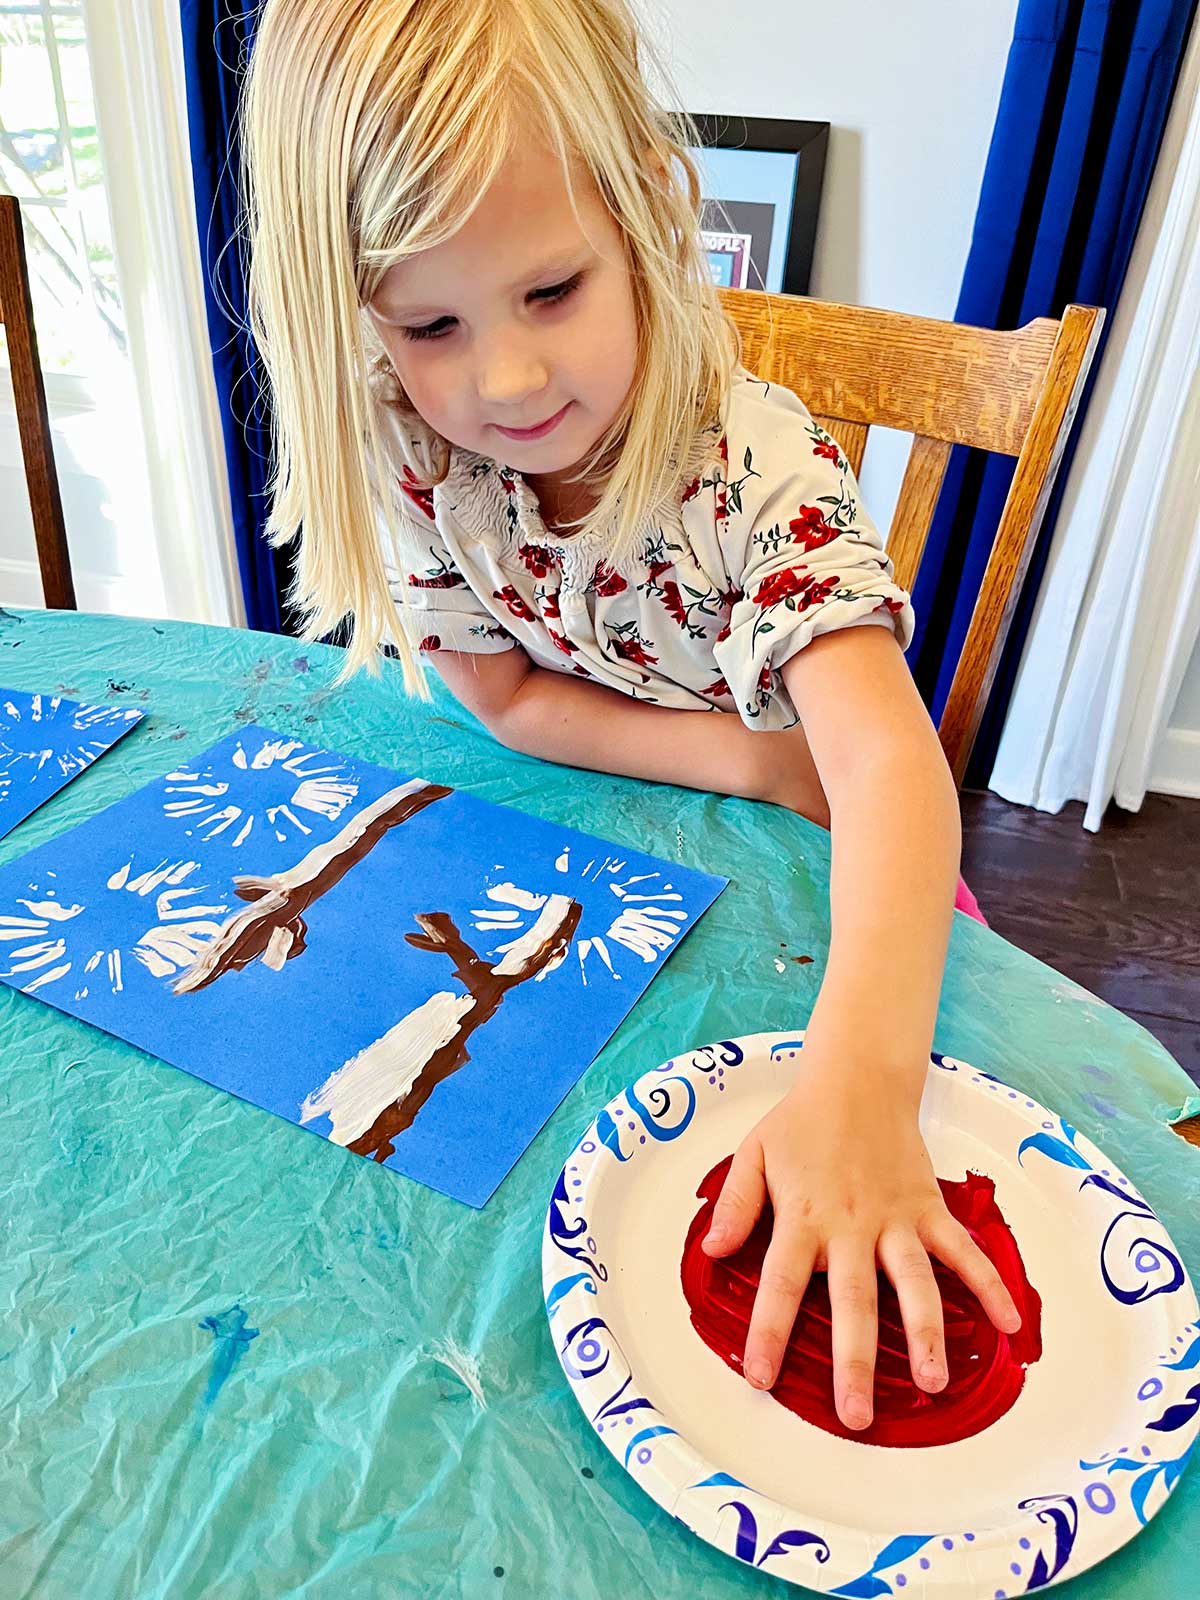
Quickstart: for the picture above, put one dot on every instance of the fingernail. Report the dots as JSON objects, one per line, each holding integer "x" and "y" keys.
{"x": 857, "y": 1412}
{"x": 759, "y": 1373}
{"x": 716, "y": 1236}
{"x": 932, "y": 1371}
{"x": 1012, "y": 1322}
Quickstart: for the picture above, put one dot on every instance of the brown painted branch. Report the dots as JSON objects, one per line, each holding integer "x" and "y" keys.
{"x": 487, "y": 985}
{"x": 272, "y": 926}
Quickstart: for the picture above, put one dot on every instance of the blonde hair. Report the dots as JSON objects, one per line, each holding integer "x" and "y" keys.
{"x": 371, "y": 129}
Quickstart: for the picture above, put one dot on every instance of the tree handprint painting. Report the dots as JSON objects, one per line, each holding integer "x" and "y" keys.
{"x": 45, "y": 741}
{"x": 416, "y": 975}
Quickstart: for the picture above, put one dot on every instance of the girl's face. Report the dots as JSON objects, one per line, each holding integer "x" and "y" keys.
{"x": 520, "y": 319}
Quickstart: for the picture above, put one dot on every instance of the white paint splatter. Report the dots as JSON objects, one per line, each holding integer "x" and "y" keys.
{"x": 647, "y": 930}
{"x": 563, "y": 864}
{"x": 779, "y": 965}
{"x": 354, "y": 1095}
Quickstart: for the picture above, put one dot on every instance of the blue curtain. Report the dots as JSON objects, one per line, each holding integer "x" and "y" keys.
{"x": 1085, "y": 98}
{"x": 217, "y": 38}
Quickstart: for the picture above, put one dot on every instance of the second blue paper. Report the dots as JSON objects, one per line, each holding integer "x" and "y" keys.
{"x": 413, "y": 973}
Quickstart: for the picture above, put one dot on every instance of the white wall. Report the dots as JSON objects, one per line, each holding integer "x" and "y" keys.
{"x": 1176, "y": 766}
{"x": 911, "y": 92}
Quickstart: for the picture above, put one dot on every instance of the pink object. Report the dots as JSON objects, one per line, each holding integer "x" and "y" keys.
{"x": 964, "y": 900}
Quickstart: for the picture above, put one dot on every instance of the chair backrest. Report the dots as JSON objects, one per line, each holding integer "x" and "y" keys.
{"x": 946, "y": 383}
{"x": 33, "y": 418}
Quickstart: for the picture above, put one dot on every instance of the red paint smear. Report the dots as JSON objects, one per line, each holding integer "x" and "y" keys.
{"x": 721, "y": 1294}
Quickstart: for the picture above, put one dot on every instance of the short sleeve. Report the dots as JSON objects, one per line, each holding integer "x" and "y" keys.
{"x": 804, "y": 557}
{"x": 435, "y": 605}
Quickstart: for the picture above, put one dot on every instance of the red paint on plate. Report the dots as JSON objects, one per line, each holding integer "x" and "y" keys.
{"x": 987, "y": 1367}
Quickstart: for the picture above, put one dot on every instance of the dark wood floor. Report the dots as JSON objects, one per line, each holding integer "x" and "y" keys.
{"x": 1117, "y": 911}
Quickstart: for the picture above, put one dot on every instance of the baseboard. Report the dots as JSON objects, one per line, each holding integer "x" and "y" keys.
{"x": 1176, "y": 767}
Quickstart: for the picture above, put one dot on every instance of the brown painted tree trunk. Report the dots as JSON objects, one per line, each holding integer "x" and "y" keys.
{"x": 273, "y": 928}
{"x": 488, "y": 986}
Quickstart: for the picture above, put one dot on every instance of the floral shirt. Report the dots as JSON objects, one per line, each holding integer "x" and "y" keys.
{"x": 764, "y": 550}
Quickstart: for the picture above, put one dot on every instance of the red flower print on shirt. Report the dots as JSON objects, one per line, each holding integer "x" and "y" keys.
{"x": 547, "y": 603}
{"x": 829, "y": 451}
{"x": 537, "y": 559}
{"x": 673, "y": 601}
{"x": 629, "y": 645}
{"x": 420, "y": 495}
{"x": 509, "y": 482}
{"x": 811, "y": 530}
{"x": 894, "y": 606}
{"x": 429, "y": 643}
{"x": 561, "y": 642}
{"x": 514, "y": 603}
{"x": 634, "y": 650}
{"x": 692, "y": 490}
{"x": 794, "y": 584}
{"x": 715, "y": 690}
{"x": 607, "y": 582}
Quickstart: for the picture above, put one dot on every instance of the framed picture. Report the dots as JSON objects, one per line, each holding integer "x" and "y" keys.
{"x": 761, "y": 179}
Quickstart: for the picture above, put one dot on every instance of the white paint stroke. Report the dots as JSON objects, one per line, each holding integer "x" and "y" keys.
{"x": 278, "y": 945}
{"x": 52, "y": 976}
{"x": 114, "y": 971}
{"x": 646, "y": 930}
{"x": 51, "y": 910}
{"x": 385, "y": 1071}
{"x": 167, "y": 950}
{"x": 563, "y": 864}
{"x": 779, "y": 965}
{"x": 518, "y": 951}
{"x": 508, "y": 894}
{"x": 324, "y": 796}
{"x": 48, "y": 950}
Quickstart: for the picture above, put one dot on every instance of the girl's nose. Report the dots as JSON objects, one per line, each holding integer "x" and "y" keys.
{"x": 509, "y": 377}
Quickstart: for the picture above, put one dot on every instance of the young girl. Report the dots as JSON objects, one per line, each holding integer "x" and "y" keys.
{"x": 513, "y": 425}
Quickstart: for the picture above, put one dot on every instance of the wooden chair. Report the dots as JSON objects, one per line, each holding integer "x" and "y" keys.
{"x": 1015, "y": 393}
{"x": 33, "y": 419}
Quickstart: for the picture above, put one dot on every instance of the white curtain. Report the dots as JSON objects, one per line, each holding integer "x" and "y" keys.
{"x": 1118, "y": 613}
{"x": 136, "y": 52}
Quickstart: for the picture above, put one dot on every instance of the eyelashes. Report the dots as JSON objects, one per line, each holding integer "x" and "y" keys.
{"x": 554, "y": 295}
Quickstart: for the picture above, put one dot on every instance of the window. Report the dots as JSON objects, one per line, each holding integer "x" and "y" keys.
{"x": 50, "y": 159}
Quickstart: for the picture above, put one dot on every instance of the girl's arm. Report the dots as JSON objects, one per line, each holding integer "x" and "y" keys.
{"x": 841, "y": 1157}
{"x": 583, "y": 724}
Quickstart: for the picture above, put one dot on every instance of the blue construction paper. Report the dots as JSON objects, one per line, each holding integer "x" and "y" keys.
{"x": 45, "y": 741}
{"x": 104, "y": 921}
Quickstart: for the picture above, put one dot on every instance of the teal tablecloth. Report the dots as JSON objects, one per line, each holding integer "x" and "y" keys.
{"x": 399, "y": 1425}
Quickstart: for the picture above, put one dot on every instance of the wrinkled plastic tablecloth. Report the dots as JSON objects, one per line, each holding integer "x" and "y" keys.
{"x": 237, "y": 1362}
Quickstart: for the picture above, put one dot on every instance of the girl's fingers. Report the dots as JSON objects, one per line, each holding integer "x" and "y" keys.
{"x": 853, "y": 1296}
{"x": 740, "y": 1202}
{"x": 903, "y": 1258}
{"x": 786, "y": 1269}
{"x": 950, "y": 1242}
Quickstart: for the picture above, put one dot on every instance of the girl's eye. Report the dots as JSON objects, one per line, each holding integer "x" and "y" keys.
{"x": 554, "y": 295}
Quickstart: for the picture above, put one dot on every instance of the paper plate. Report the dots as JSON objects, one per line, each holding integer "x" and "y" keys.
{"x": 1089, "y": 1451}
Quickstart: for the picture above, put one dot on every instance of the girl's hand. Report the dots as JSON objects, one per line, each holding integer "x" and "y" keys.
{"x": 842, "y": 1161}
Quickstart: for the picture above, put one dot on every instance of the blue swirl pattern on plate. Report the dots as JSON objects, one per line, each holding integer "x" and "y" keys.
{"x": 1048, "y": 1538}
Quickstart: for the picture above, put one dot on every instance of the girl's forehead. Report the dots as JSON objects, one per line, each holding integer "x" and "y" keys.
{"x": 524, "y": 225}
